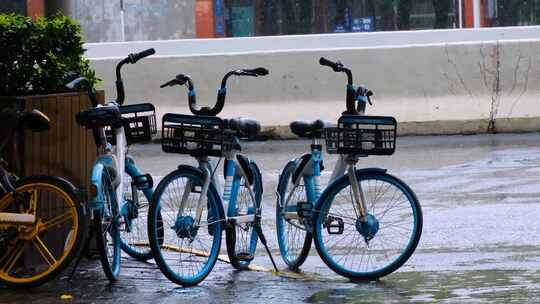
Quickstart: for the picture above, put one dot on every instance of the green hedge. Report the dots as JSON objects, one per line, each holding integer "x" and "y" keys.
{"x": 40, "y": 57}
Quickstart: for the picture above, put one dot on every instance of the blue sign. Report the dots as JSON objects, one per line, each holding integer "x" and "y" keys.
{"x": 218, "y": 16}
{"x": 364, "y": 24}
{"x": 340, "y": 28}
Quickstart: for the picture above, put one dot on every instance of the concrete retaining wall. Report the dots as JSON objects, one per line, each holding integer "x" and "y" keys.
{"x": 455, "y": 87}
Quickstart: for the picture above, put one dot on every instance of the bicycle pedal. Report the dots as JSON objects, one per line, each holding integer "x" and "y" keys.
{"x": 244, "y": 256}
{"x": 334, "y": 225}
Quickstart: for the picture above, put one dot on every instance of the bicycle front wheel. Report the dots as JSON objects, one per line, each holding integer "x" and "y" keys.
{"x": 377, "y": 246}
{"x": 241, "y": 237}
{"x": 31, "y": 255}
{"x": 294, "y": 239}
{"x": 107, "y": 230}
{"x": 187, "y": 247}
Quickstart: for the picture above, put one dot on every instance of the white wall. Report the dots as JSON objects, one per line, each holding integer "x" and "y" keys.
{"x": 437, "y": 81}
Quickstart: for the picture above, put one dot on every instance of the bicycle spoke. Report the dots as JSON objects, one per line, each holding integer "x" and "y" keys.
{"x": 44, "y": 251}
{"x": 394, "y": 218}
{"x": 56, "y": 221}
{"x": 12, "y": 257}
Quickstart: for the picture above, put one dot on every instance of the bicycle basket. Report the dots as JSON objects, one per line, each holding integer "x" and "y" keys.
{"x": 139, "y": 121}
{"x": 365, "y": 135}
{"x": 195, "y": 135}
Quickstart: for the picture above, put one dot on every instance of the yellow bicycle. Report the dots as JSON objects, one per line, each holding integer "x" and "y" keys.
{"x": 41, "y": 218}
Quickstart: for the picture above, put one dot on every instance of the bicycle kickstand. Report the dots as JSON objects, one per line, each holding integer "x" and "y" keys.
{"x": 261, "y": 236}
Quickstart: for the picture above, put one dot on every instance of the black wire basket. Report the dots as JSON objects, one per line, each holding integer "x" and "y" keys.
{"x": 362, "y": 135}
{"x": 195, "y": 135}
{"x": 139, "y": 121}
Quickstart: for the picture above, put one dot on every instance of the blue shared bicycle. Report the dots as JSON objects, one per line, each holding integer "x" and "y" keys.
{"x": 119, "y": 192}
{"x": 366, "y": 223}
{"x": 189, "y": 199}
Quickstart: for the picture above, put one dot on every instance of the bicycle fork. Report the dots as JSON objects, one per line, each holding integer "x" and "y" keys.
{"x": 366, "y": 224}
{"x": 358, "y": 194}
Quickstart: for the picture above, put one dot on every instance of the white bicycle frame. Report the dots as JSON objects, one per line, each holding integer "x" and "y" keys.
{"x": 346, "y": 164}
{"x": 207, "y": 165}
{"x": 118, "y": 155}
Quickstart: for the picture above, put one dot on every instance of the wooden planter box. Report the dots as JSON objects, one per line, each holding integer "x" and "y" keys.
{"x": 66, "y": 150}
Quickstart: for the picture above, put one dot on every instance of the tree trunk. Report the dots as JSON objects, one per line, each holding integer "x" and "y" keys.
{"x": 320, "y": 15}
{"x": 404, "y": 14}
{"x": 304, "y": 14}
{"x": 442, "y": 8}
{"x": 509, "y": 12}
{"x": 388, "y": 15}
{"x": 372, "y": 12}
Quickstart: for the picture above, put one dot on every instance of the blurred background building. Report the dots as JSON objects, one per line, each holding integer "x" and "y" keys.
{"x": 129, "y": 20}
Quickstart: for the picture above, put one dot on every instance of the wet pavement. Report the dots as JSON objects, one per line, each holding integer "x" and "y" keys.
{"x": 480, "y": 196}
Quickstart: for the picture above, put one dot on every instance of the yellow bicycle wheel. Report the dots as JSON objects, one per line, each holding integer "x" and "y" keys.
{"x": 32, "y": 254}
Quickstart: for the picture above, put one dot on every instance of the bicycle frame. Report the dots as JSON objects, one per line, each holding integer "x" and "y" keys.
{"x": 233, "y": 174}
{"x": 311, "y": 173}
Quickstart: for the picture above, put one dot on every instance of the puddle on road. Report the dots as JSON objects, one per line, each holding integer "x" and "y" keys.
{"x": 486, "y": 286}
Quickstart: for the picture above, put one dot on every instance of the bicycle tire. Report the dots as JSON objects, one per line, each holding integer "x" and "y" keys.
{"x": 109, "y": 253}
{"x": 408, "y": 218}
{"x": 295, "y": 256}
{"x": 241, "y": 232}
{"x": 135, "y": 243}
{"x": 168, "y": 247}
{"x": 70, "y": 247}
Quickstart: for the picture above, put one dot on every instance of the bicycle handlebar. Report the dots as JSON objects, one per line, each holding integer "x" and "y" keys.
{"x": 182, "y": 79}
{"x": 333, "y": 65}
{"x": 352, "y": 93}
{"x": 131, "y": 58}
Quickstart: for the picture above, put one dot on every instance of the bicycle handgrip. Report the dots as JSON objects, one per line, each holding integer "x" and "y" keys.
{"x": 260, "y": 71}
{"x": 326, "y": 62}
{"x": 133, "y": 58}
{"x": 167, "y": 84}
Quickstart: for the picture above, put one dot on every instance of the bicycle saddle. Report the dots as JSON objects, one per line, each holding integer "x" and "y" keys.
{"x": 245, "y": 126}
{"x": 309, "y": 128}
{"x": 35, "y": 121}
{"x": 100, "y": 117}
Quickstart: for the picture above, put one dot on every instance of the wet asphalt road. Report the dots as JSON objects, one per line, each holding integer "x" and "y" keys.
{"x": 480, "y": 196}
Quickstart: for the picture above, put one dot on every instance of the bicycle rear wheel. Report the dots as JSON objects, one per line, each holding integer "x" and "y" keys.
{"x": 106, "y": 226}
{"x": 135, "y": 241}
{"x": 185, "y": 249}
{"x": 34, "y": 254}
{"x": 294, "y": 239}
{"x": 377, "y": 246}
{"x": 241, "y": 237}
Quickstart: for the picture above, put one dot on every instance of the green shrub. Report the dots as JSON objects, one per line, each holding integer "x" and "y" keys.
{"x": 40, "y": 57}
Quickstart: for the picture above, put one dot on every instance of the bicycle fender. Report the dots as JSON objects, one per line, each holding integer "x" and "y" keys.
{"x": 304, "y": 159}
{"x": 102, "y": 162}
{"x": 258, "y": 171}
{"x": 96, "y": 202}
{"x": 62, "y": 181}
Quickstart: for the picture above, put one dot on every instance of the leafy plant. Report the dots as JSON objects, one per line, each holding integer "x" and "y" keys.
{"x": 40, "y": 57}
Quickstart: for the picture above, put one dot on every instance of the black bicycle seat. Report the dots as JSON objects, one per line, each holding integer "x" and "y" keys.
{"x": 309, "y": 128}
{"x": 100, "y": 117}
{"x": 245, "y": 126}
{"x": 35, "y": 121}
